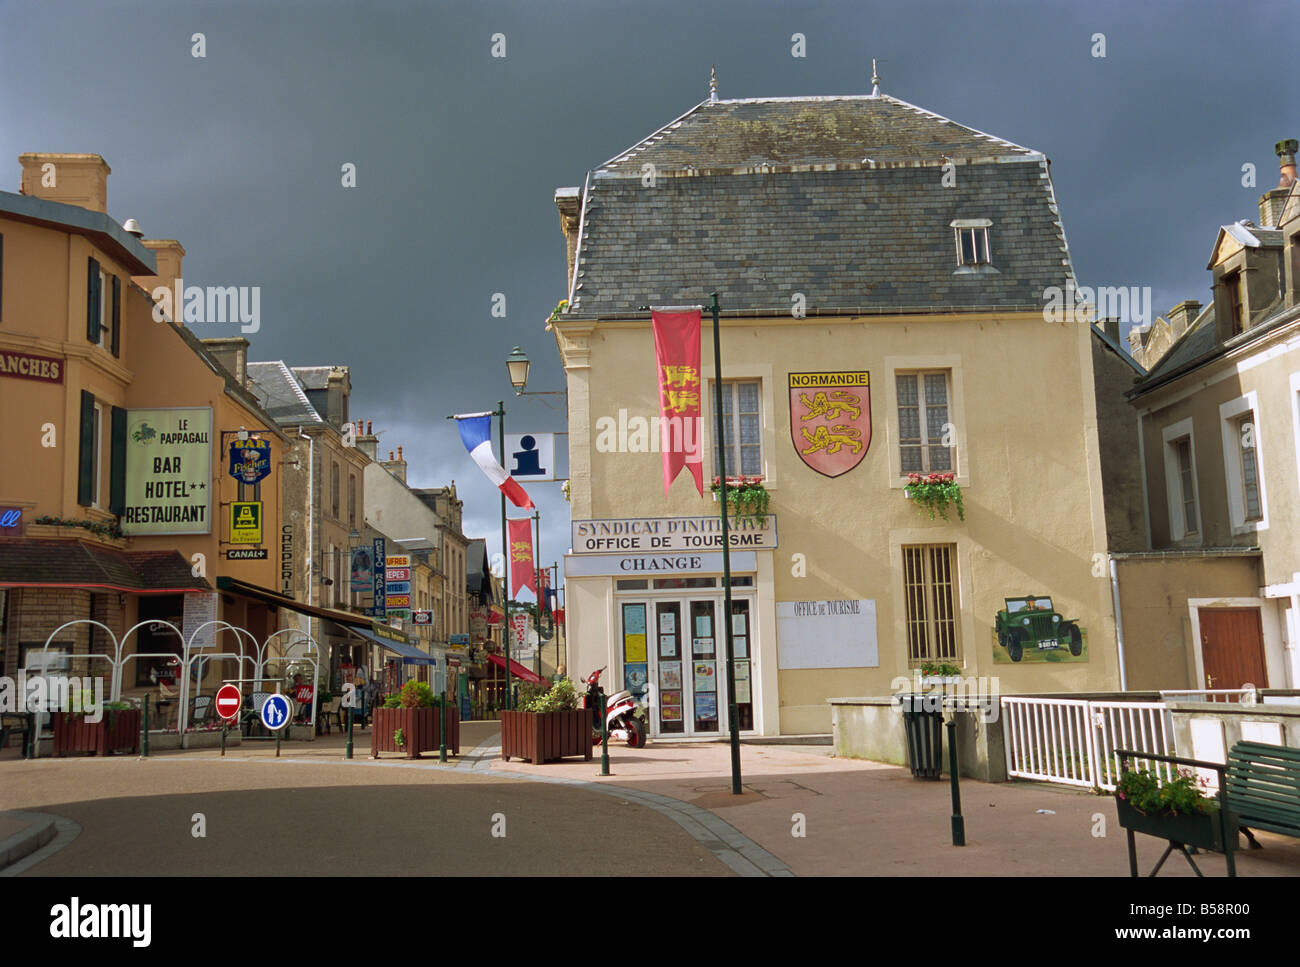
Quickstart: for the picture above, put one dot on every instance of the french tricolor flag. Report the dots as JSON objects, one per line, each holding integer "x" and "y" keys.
{"x": 476, "y": 432}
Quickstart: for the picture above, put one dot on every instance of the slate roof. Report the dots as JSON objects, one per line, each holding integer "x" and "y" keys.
{"x": 33, "y": 562}
{"x": 281, "y": 394}
{"x": 839, "y": 198}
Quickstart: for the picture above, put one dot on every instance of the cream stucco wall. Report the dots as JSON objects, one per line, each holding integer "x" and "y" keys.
{"x": 1024, "y": 414}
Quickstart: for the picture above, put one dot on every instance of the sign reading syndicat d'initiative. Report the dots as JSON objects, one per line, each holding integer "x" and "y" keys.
{"x": 168, "y": 469}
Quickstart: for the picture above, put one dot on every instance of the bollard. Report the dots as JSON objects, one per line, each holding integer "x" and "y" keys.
{"x": 351, "y": 716}
{"x": 442, "y": 745}
{"x": 604, "y": 732}
{"x": 958, "y": 824}
{"x": 144, "y": 730}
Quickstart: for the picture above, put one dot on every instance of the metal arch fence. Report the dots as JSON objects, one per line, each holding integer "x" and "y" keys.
{"x": 1074, "y": 741}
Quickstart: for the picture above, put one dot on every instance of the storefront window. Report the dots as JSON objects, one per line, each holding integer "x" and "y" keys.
{"x": 670, "y": 667}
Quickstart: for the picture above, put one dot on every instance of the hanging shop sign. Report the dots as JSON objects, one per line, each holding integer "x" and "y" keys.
{"x": 830, "y": 419}
{"x": 656, "y": 535}
{"x": 247, "y": 554}
{"x": 168, "y": 471}
{"x": 246, "y": 522}
{"x": 657, "y": 565}
{"x": 286, "y": 560}
{"x": 363, "y": 569}
{"x": 250, "y": 460}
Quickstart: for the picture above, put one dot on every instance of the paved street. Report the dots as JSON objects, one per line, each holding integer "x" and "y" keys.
{"x": 666, "y": 810}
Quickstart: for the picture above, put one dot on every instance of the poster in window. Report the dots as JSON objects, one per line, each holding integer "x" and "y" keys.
{"x": 741, "y": 645}
{"x": 670, "y": 676}
{"x": 634, "y": 619}
{"x": 667, "y": 622}
{"x": 634, "y": 647}
{"x": 738, "y": 623}
{"x": 635, "y": 675}
{"x": 670, "y": 713}
{"x": 742, "y": 671}
{"x": 703, "y": 626}
{"x": 667, "y": 646}
{"x": 706, "y": 706}
{"x": 706, "y": 676}
{"x": 703, "y": 647}
{"x": 742, "y": 692}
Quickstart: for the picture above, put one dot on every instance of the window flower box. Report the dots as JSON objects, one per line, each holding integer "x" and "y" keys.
{"x": 933, "y": 492}
{"x": 746, "y": 496}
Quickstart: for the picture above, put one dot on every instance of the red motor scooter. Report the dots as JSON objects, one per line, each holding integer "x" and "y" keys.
{"x": 620, "y": 719}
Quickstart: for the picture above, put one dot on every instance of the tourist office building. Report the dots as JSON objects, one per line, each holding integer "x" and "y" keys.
{"x": 881, "y": 274}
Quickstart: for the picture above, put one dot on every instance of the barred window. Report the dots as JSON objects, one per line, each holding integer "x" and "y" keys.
{"x": 929, "y": 578}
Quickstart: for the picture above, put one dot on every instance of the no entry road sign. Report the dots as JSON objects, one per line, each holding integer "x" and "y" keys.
{"x": 228, "y": 701}
{"x": 275, "y": 712}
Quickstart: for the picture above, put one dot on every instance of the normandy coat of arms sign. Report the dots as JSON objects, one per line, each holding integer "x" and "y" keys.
{"x": 830, "y": 419}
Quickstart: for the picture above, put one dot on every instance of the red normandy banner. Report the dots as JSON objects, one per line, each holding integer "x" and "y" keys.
{"x": 522, "y": 574}
{"x": 677, "y": 358}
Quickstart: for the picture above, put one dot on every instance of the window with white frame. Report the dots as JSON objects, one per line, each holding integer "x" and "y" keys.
{"x": 1243, "y": 464}
{"x": 926, "y": 437}
{"x": 972, "y": 239}
{"x": 1181, "y": 489}
{"x": 742, "y": 425}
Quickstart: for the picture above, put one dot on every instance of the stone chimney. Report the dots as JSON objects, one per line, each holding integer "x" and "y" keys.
{"x": 396, "y": 467}
{"x": 73, "y": 179}
{"x": 1272, "y": 202}
{"x": 167, "y": 253}
{"x": 231, "y": 353}
{"x": 569, "y": 202}
{"x": 1181, "y": 316}
{"x": 338, "y": 389}
{"x": 1110, "y": 326}
{"x": 367, "y": 442}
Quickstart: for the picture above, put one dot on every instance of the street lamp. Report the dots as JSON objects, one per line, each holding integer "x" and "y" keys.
{"x": 517, "y": 363}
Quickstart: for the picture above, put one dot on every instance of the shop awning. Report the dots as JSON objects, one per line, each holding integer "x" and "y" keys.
{"x": 69, "y": 563}
{"x": 346, "y": 618}
{"x": 516, "y": 670}
{"x": 410, "y": 654}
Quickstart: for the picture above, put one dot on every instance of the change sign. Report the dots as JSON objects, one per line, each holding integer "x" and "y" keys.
{"x": 168, "y": 471}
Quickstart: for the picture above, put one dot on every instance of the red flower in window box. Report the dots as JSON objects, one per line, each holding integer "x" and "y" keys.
{"x": 933, "y": 492}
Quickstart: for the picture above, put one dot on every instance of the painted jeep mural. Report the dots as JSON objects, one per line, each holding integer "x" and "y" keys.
{"x": 1032, "y": 622}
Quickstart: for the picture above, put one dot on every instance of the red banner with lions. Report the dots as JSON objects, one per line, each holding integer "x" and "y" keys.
{"x": 520, "y": 539}
{"x": 677, "y": 365}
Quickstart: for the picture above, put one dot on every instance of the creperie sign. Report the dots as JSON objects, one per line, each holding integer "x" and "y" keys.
{"x": 640, "y": 535}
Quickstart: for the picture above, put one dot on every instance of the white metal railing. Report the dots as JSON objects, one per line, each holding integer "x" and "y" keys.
{"x": 1073, "y": 741}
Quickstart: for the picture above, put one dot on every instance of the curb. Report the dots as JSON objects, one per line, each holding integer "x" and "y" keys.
{"x": 732, "y": 847}
{"x": 43, "y": 830}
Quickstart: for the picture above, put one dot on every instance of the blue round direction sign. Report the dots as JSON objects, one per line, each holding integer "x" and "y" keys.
{"x": 276, "y": 711}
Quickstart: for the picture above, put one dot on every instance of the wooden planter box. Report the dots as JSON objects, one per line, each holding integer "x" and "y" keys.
{"x": 545, "y": 736}
{"x": 421, "y": 730}
{"x": 1201, "y": 830}
{"x": 117, "y": 731}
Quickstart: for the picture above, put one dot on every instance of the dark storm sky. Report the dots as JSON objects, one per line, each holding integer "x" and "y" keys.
{"x": 458, "y": 153}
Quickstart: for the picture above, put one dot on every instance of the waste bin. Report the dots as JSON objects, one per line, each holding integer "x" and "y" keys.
{"x": 923, "y": 723}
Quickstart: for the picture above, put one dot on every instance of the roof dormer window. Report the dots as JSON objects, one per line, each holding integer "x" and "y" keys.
{"x": 972, "y": 237}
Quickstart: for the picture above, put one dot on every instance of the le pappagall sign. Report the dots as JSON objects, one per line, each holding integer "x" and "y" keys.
{"x": 168, "y": 470}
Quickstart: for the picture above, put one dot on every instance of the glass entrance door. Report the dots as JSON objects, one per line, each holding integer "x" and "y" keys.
{"x": 704, "y": 668}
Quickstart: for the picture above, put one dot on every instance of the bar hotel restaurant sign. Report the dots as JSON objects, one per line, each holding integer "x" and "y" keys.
{"x": 641, "y": 546}
{"x": 168, "y": 471}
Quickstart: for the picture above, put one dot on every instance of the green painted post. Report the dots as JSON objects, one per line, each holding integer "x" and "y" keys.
{"x": 442, "y": 733}
{"x": 351, "y": 716}
{"x": 144, "y": 729}
{"x": 604, "y": 732}
{"x": 958, "y": 823}
{"x": 223, "y": 736}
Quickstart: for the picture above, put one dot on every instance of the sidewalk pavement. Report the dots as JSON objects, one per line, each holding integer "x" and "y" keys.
{"x": 864, "y": 818}
{"x": 827, "y": 816}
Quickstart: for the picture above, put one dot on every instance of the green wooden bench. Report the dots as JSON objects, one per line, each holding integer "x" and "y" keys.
{"x": 1263, "y": 785}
